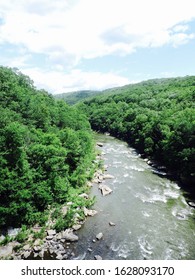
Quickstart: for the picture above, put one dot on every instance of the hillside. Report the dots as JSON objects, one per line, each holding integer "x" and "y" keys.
{"x": 46, "y": 153}
{"x": 157, "y": 117}
{"x": 74, "y": 97}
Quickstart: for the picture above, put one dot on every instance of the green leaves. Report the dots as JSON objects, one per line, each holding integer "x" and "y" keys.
{"x": 45, "y": 149}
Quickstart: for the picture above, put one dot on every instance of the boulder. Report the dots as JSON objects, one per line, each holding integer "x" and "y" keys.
{"x": 112, "y": 224}
{"x": 26, "y": 254}
{"x": 99, "y": 236}
{"x": 59, "y": 257}
{"x": 105, "y": 190}
{"x": 76, "y": 227}
{"x": 69, "y": 235}
{"x": 51, "y": 232}
{"x": 84, "y": 195}
{"x": 89, "y": 212}
{"x": 64, "y": 210}
{"x": 108, "y": 176}
{"x": 192, "y": 204}
{"x": 5, "y": 251}
{"x": 37, "y": 242}
{"x": 26, "y": 247}
{"x": 100, "y": 144}
{"x": 97, "y": 257}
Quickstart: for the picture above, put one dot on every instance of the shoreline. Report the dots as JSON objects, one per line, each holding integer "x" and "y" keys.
{"x": 44, "y": 243}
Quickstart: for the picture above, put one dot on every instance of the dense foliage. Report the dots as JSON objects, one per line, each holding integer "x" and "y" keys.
{"x": 46, "y": 149}
{"x": 157, "y": 117}
{"x": 76, "y": 96}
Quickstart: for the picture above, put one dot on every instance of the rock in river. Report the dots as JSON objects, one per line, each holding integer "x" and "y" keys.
{"x": 89, "y": 212}
{"x": 105, "y": 190}
{"x": 69, "y": 235}
{"x": 99, "y": 235}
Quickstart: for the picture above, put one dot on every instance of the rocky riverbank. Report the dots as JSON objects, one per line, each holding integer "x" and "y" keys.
{"x": 47, "y": 243}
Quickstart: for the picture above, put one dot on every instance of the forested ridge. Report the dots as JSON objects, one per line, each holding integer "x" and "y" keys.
{"x": 46, "y": 146}
{"x": 46, "y": 150}
{"x": 157, "y": 117}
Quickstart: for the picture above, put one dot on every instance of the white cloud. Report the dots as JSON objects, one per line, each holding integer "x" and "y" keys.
{"x": 69, "y": 31}
{"x": 95, "y": 28}
{"x": 58, "y": 82}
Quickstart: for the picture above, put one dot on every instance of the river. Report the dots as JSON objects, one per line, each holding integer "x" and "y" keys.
{"x": 151, "y": 215}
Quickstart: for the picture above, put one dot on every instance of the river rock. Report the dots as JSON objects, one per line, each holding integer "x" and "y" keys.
{"x": 89, "y": 212}
{"x": 5, "y": 251}
{"x": 51, "y": 232}
{"x": 59, "y": 257}
{"x": 49, "y": 237}
{"x": 37, "y": 242}
{"x": 64, "y": 210}
{"x": 69, "y": 235}
{"x": 97, "y": 257}
{"x": 108, "y": 176}
{"x": 112, "y": 224}
{"x": 100, "y": 144}
{"x": 76, "y": 227}
{"x": 105, "y": 190}
{"x": 2, "y": 237}
{"x": 99, "y": 236}
{"x": 84, "y": 195}
{"x": 26, "y": 247}
{"x": 192, "y": 204}
{"x": 26, "y": 254}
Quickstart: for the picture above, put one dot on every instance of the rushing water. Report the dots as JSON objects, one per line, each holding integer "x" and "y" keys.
{"x": 152, "y": 217}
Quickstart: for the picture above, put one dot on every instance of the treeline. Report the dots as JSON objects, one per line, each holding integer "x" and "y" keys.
{"x": 46, "y": 150}
{"x": 74, "y": 97}
{"x": 157, "y": 117}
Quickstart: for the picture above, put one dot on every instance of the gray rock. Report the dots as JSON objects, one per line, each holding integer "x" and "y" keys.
{"x": 64, "y": 210}
{"x": 84, "y": 195}
{"x": 76, "y": 227}
{"x": 89, "y": 212}
{"x": 69, "y": 235}
{"x": 5, "y": 251}
{"x": 26, "y": 254}
{"x": 112, "y": 224}
{"x": 108, "y": 176}
{"x": 192, "y": 204}
{"x": 99, "y": 235}
{"x": 37, "y": 242}
{"x": 51, "y": 232}
{"x": 2, "y": 237}
{"x": 89, "y": 250}
{"x": 59, "y": 257}
{"x": 100, "y": 144}
{"x": 41, "y": 254}
{"x": 105, "y": 190}
{"x": 50, "y": 237}
{"x": 26, "y": 247}
{"x": 36, "y": 248}
{"x": 12, "y": 232}
{"x": 97, "y": 257}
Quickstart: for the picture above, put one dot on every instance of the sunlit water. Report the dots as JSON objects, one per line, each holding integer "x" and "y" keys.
{"x": 152, "y": 217}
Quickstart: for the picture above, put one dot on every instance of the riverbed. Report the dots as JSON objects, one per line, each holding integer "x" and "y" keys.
{"x": 151, "y": 215}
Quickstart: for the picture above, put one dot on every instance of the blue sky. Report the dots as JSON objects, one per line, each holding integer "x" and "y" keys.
{"x": 68, "y": 45}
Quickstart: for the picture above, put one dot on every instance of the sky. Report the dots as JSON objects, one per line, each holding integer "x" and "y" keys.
{"x": 70, "y": 45}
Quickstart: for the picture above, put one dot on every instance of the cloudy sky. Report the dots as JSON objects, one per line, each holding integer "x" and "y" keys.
{"x": 67, "y": 45}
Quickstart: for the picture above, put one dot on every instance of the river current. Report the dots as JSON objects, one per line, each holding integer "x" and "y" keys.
{"x": 151, "y": 215}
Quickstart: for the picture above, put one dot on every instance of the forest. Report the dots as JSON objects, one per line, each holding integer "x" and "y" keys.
{"x": 47, "y": 146}
{"x": 46, "y": 153}
{"x": 157, "y": 117}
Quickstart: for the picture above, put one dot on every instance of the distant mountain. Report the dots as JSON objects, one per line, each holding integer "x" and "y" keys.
{"x": 162, "y": 84}
{"x": 76, "y": 96}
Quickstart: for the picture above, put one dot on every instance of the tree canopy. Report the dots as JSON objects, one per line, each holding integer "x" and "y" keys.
{"x": 46, "y": 147}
